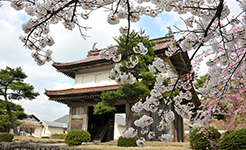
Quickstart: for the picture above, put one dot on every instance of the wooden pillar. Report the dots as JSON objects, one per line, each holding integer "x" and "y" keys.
{"x": 86, "y": 118}
{"x": 179, "y": 127}
{"x": 69, "y": 119}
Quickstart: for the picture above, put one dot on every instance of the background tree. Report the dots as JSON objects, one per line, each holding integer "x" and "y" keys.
{"x": 28, "y": 126}
{"x": 17, "y": 112}
{"x": 231, "y": 109}
{"x": 12, "y": 86}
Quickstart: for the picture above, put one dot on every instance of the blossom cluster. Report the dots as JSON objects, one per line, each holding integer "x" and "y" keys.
{"x": 159, "y": 65}
{"x": 110, "y": 52}
{"x": 166, "y": 137}
{"x": 119, "y": 78}
{"x": 130, "y": 132}
{"x": 143, "y": 121}
{"x": 166, "y": 118}
{"x": 43, "y": 42}
{"x": 140, "y": 49}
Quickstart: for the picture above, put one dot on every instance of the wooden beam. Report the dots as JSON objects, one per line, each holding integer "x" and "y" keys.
{"x": 171, "y": 65}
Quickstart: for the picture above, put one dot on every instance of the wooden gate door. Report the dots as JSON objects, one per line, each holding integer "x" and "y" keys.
{"x": 76, "y": 123}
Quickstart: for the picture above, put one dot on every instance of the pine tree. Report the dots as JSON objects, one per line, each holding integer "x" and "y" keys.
{"x": 12, "y": 86}
{"x": 17, "y": 112}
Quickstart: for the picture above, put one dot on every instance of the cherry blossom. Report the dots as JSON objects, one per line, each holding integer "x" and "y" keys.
{"x": 210, "y": 31}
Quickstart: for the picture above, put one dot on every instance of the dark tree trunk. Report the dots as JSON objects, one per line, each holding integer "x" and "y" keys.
{"x": 129, "y": 124}
{"x": 129, "y": 116}
{"x": 12, "y": 120}
{"x": 11, "y": 117}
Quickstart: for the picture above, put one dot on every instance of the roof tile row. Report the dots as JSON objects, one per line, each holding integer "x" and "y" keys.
{"x": 81, "y": 90}
{"x": 94, "y": 56}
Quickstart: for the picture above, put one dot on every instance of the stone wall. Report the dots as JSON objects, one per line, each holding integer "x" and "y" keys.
{"x": 25, "y": 145}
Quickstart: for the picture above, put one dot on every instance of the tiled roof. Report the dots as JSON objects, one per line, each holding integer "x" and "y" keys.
{"x": 94, "y": 55}
{"x": 86, "y": 60}
{"x": 162, "y": 45}
{"x": 63, "y": 119}
{"x": 80, "y": 90}
{"x": 56, "y": 124}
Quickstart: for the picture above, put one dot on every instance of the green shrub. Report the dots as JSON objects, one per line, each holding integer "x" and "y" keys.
{"x": 59, "y": 135}
{"x": 77, "y": 136}
{"x": 201, "y": 141}
{"x": 6, "y": 137}
{"x": 45, "y": 137}
{"x": 31, "y": 136}
{"x": 126, "y": 142}
{"x": 226, "y": 134}
{"x": 235, "y": 140}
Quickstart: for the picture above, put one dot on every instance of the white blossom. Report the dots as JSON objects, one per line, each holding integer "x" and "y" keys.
{"x": 123, "y": 30}
{"x": 166, "y": 137}
{"x": 113, "y": 19}
{"x": 117, "y": 58}
{"x": 85, "y": 16}
{"x": 130, "y": 132}
{"x": 141, "y": 142}
{"x": 128, "y": 78}
{"x": 151, "y": 135}
{"x": 143, "y": 121}
{"x": 132, "y": 63}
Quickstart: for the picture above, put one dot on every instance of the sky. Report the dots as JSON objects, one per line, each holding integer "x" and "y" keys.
{"x": 69, "y": 46}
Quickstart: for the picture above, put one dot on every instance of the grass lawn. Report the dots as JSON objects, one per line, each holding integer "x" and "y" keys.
{"x": 112, "y": 145}
{"x": 22, "y": 138}
{"x": 149, "y": 146}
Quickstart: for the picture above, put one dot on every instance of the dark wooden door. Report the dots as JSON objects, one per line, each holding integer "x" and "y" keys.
{"x": 76, "y": 123}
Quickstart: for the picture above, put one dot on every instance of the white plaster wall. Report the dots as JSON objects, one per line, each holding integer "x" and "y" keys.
{"x": 100, "y": 78}
{"x": 118, "y": 129}
{"x": 52, "y": 130}
{"x": 38, "y": 132}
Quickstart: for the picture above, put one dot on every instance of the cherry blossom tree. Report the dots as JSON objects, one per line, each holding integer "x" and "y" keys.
{"x": 28, "y": 126}
{"x": 231, "y": 109}
{"x": 209, "y": 31}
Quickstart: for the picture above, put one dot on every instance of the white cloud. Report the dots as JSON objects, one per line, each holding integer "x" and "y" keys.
{"x": 43, "y": 108}
{"x": 13, "y": 54}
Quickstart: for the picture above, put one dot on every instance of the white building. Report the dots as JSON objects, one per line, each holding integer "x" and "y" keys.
{"x": 40, "y": 128}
